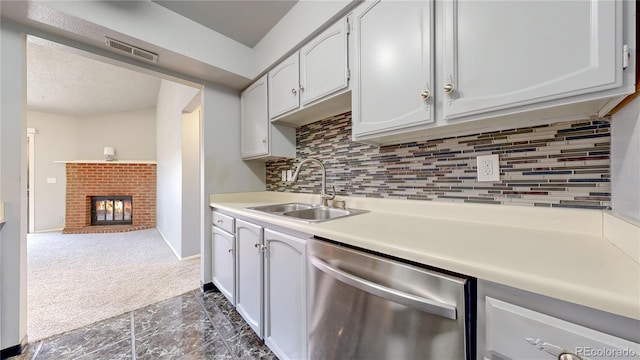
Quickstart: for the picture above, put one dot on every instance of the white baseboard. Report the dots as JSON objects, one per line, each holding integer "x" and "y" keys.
{"x": 168, "y": 244}
{"x": 192, "y": 257}
{"x": 47, "y": 231}
{"x": 174, "y": 250}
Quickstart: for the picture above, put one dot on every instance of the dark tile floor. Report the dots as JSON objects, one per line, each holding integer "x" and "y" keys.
{"x": 190, "y": 326}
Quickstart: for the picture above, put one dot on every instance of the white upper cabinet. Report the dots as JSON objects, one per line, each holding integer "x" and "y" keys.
{"x": 506, "y": 54}
{"x": 284, "y": 87}
{"x": 255, "y": 120}
{"x": 306, "y": 86}
{"x": 324, "y": 65}
{"x": 493, "y": 61}
{"x": 393, "y": 67}
{"x": 261, "y": 139}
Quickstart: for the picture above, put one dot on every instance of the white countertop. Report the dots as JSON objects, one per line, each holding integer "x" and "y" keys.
{"x": 560, "y": 253}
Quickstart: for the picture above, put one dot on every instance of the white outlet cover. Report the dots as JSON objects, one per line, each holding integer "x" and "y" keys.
{"x": 488, "y": 168}
{"x": 51, "y": 180}
{"x": 284, "y": 175}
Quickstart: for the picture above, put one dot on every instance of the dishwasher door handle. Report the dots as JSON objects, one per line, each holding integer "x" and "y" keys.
{"x": 417, "y": 302}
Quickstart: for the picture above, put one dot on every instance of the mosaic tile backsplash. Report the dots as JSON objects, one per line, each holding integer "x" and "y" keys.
{"x": 558, "y": 165}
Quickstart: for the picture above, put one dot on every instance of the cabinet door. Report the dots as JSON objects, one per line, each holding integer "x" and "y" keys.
{"x": 504, "y": 54}
{"x": 223, "y": 268}
{"x": 285, "y": 299}
{"x": 255, "y": 120}
{"x": 284, "y": 87}
{"x": 249, "y": 285}
{"x": 392, "y": 67}
{"x": 323, "y": 64}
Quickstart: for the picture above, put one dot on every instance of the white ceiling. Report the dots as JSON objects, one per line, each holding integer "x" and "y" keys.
{"x": 245, "y": 21}
{"x": 67, "y": 81}
{"x": 63, "y": 82}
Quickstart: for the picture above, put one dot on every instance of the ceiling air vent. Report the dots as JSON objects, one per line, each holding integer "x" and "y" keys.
{"x": 131, "y": 50}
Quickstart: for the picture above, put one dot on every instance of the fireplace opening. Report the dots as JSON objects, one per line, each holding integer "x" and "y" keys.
{"x": 111, "y": 210}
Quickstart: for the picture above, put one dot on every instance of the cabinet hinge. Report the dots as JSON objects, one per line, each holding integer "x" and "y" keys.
{"x": 626, "y": 55}
{"x": 348, "y": 26}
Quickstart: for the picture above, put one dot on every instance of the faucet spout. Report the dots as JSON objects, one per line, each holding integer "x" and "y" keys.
{"x": 323, "y": 195}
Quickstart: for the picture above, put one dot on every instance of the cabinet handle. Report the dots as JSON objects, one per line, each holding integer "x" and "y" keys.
{"x": 569, "y": 356}
{"x": 230, "y": 251}
{"x": 448, "y": 88}
{"x": 264, "y": 141}
{"x": 263, "y": 247}
{"x": 426, "y": 94}
{"x": 219, "y": 221}
{"x": 301, "y": 88}
{"x": 256, "y": 245}
{"x": 294, "y": 91}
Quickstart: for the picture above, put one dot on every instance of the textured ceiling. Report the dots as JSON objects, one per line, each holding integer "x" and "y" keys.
{"x": 65, "y": 82}
{"x": 245, "y": 21}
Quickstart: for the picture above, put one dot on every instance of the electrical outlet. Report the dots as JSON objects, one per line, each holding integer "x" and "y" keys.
{"x": 51, "y": 180}
{"x": 488, "y": 168}
{"x": 289, "y": 175}
{"x": 284, "y": 175}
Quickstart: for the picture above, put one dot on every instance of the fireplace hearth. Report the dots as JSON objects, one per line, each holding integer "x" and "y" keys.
{"x": 111, "y": 210}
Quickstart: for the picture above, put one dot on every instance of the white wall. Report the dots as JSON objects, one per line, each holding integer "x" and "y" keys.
{"x": 13, "y": 185}
{"x": 172, "y": 99}
{"x": 625, "y": 161}
{"x": 223, "y": 168}
{"x": 131, "y": 133}
{"x": 191, "y": 183}
{"x": 55, "y": 140}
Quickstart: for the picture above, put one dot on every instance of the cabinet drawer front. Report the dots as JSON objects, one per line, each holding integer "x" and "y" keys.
{"x": 514, "y": 332}
{"x": 225, "y": 222}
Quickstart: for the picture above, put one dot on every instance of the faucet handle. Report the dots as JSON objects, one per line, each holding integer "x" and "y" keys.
{"x": 326, "y": 197}
{"x": 330, "y": 196}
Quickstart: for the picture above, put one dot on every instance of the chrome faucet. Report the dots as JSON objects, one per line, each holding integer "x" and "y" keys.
{"x": 324, "y": 197}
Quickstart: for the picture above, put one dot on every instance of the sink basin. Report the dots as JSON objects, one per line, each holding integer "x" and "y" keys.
{"x": 319, "y": 213}
{"x": 282, "y": 208}
{"x": 307, "y": 212}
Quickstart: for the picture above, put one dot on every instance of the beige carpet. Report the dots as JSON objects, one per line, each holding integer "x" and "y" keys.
{"x": 75, "y": 280}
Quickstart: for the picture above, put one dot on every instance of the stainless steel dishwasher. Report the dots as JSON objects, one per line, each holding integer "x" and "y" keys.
{"x": 363, "y": 306}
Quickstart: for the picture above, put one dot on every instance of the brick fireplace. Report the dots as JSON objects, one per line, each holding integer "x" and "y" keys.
{"x": 109, "y": 179}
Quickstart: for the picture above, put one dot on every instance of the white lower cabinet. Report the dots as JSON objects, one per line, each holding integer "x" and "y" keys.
{"x": 263, "y": 273}
{"x": 516, "y": 324}
{"x": 223, "y": 262}
{"x": 515, "y": 332}
{"x": 285, "y": 295}
{"x": 249, "y": 278}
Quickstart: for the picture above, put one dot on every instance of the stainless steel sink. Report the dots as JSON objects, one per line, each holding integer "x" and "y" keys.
{"x": 307, "y": 212}
{"x": 282, "y": 208}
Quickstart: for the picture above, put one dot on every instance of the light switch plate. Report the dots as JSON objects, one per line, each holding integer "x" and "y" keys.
{"x": 51, "y": 180}
{"x": 488, "y": 168}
